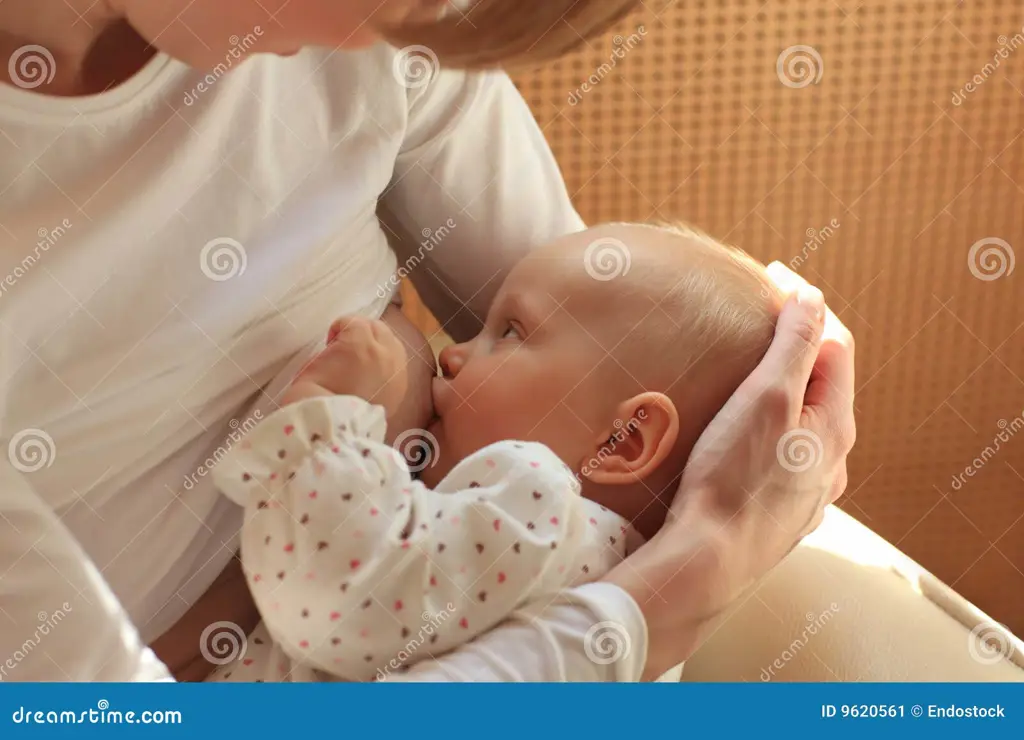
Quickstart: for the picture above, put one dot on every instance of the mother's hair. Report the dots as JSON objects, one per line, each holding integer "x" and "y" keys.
{"x": 512, "y": 33}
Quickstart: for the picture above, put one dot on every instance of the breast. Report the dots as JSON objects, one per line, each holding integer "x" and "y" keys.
{"x": 214, "y": 248}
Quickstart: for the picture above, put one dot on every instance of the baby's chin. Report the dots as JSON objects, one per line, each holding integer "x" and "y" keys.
{"x": 438, "y": 465}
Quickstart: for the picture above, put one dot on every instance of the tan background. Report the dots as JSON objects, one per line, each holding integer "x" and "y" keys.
{"x": 694, "y": 123}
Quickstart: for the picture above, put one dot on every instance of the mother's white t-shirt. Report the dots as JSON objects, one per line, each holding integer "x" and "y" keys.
{"x": 173, "y": 246}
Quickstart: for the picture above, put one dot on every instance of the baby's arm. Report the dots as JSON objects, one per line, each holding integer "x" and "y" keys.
{"x": 357, "y": 568}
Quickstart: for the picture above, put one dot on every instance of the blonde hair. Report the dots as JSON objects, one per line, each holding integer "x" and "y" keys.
{"x": 714, "y": 321}
{"x": 512, "y": 33}
{"x": 731, "y": 302}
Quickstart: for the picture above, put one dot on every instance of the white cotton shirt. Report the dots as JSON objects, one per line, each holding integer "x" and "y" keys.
{"x": 166, "y": 254}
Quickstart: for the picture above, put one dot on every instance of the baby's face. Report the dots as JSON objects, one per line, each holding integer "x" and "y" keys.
{"x": 532, "y": 373}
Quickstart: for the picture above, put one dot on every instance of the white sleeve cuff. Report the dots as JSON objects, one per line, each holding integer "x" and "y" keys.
{"x": 617, "y": 635}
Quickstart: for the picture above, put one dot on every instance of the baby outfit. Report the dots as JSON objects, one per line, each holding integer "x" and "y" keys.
{"x": 359, "y": 570}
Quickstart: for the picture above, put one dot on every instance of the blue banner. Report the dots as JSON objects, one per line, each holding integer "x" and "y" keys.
{"x": 492, "y": 711}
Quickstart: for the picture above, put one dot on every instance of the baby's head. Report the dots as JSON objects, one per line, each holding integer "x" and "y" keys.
{"x": 615, "y": 347}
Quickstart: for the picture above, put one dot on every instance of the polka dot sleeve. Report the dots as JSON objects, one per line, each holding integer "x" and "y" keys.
{"x": 359, "y": 570}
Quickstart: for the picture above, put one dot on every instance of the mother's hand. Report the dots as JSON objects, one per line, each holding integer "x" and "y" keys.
{"x": 758, "y": 480}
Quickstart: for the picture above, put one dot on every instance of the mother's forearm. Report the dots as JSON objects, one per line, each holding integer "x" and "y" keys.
{"x": 678, "y": 581}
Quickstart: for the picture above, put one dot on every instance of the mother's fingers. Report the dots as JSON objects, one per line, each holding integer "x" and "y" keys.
{"x": 786, "y": 280}
{"x": 829, "y": 392}
{"x": 790, "y": 359}
{"x": 829, "y": 397}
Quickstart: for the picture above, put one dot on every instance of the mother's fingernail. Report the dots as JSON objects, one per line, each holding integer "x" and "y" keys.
{"x": 811, "y": 297}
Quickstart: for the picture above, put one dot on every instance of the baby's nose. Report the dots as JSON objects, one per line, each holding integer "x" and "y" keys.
{"x": 451, "y": 360}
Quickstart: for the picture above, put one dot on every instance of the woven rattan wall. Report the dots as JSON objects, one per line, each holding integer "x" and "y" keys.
{"x": 854, "y": 161}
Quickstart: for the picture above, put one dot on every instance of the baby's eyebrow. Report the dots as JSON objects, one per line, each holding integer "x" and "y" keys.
{"x": 518, "y": 308}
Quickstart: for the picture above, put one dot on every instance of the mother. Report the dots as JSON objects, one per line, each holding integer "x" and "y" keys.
{"x": 173, "y": 243}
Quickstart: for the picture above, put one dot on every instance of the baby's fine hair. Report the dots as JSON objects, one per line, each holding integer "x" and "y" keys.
{"x": 714, "y": 321}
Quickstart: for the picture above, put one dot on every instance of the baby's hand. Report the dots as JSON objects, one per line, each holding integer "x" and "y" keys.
{"x": 363, "y": 358}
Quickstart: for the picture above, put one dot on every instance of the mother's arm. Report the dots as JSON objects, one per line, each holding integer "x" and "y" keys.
{"x": 472, "y": 154}
{"x": 59, "y": 620}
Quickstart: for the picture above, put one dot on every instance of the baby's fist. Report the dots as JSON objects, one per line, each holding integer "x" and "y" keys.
{"x": 363, "y": 358}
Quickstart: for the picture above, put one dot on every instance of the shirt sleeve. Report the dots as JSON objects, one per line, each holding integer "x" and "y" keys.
{"x": 475, "y": 187}
{"x": 591, "y": 633}
{"x": 59, "y": 621}
{"x": 358, "y": 569}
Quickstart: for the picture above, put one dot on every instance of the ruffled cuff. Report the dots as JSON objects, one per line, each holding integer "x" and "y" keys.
{"x": 267, "y": 457}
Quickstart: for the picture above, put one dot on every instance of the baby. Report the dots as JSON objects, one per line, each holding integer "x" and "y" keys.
{"x": 561, "y": 433}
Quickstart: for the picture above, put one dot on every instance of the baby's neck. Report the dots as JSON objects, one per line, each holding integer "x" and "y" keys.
{"x": 644, "y": 504}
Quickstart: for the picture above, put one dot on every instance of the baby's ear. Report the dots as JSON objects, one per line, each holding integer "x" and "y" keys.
{"x": 637, "y": 442}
